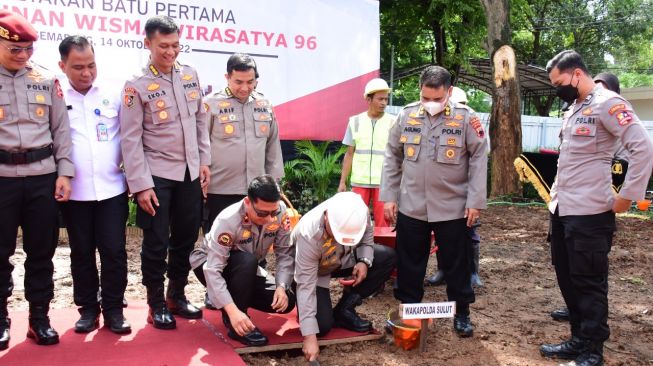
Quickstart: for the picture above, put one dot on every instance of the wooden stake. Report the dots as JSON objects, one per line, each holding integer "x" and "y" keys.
{"x": 422, "y": 335}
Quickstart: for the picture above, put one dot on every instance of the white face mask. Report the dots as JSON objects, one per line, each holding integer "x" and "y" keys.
{"x": 434, "y": 108}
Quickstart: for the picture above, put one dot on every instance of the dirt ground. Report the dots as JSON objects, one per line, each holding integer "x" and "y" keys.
{"x": 510, "y": 313}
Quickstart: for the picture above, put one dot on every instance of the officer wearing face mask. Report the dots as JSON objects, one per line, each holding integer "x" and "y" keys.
{"x": 583, "y": 204}
{"x": 434, "y": 180}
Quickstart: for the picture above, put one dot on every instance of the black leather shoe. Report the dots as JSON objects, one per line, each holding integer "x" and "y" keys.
{"x": 117, "y": 324}
{"x": 463, "y": 326}
{"x": 161, "y": 318}
{"x": 345, "y": 315}
{"x": 207, "y": 303}
{"x": 41, "y": 331}
{"x": 587, "y": 359}
{"x": 4, "y": 333}
{"x": 87, "y": 323}
{"x": 253, "y": 339}
{"x": 560, "y": 314}
{"x": 180, "y": 306}
{"x": 567, "y": 350}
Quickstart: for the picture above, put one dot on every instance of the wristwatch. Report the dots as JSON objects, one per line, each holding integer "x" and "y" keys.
{"x": 367, "y": 262}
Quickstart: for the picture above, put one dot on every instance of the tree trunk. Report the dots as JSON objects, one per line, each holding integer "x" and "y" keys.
{"x": 505, "y": 120}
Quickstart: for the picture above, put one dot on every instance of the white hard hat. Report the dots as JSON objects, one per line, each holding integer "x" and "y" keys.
{"x": 458, "y": 95}
{"x": 347, "y": 214}
{"x": 376, "y": 85}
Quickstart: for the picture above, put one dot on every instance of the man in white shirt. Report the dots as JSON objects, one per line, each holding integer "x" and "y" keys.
{"x": 97, "y": 211}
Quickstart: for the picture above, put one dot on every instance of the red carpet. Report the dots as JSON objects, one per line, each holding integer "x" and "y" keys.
{"x": 192, "y": 343}
{"x": 283, "y": 331}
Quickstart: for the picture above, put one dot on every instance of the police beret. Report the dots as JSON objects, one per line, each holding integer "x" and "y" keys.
{"x": 15, "y": 28}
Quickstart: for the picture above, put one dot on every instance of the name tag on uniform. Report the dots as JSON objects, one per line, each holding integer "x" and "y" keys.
{"x": 102, "y": 132}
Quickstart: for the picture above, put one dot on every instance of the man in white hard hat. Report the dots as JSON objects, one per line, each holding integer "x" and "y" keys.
{"x": 366, "y": 136}
{"x": 335, "y": 240}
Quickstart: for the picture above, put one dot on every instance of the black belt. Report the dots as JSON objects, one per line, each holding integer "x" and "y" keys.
{"x": 25, "y": 157}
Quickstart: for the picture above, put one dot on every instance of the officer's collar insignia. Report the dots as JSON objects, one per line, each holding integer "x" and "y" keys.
{"x": 36, "y": 76}
{"x": 228, "y": 92}
{"x": 187, "y": 77}
{"x": 154, "y": 70}
{"x": 246, "y": 220}
{"x": 177, "y": 65}
{"x": 447, "y": 110}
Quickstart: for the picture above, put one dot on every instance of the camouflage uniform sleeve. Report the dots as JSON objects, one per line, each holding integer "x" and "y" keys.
{"x": 137, "y": 170}
{"x": 273, "y": 158}
{"x": 394, "y": 157}
{"x": 619, "y": 119}
{"x": 477, "y": 146}
{"x": 220, "y": 240}
{"x": 202, "y": 117}
{"x": 60, "y": 130}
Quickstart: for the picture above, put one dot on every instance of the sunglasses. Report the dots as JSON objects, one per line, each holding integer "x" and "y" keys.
{"x": 261, "y": 213}
{"x": 17, "y": 50}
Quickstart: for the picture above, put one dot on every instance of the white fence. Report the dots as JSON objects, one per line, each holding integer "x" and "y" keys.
{"x": 537, "y": 131}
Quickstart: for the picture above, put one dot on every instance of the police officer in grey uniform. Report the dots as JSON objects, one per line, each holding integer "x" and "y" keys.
{"x": 244, "y": 136}
{"x": 231, "y": 259}
{"x": 35, "y": 171}
{"x": 335, "y": 240}
{"x": 166, "y": 148}
{"x": 583, "y": 205}
{"x": 435, "y": 173}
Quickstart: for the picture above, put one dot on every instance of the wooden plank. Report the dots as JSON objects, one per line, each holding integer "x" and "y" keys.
{"x": 298, "y": 345}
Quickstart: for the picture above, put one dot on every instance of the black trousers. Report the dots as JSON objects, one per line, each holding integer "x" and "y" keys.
{"x": 98, "y": 225}
{"x": 413, "y": 247}
{"x": 215, "y": 203}
{"x": 384, "y": 262}
{"x": 171, "y": 233}
{"x": 29, "y": 202}
{"x": 579, "y": 253}
{"x": 248, "y": 290}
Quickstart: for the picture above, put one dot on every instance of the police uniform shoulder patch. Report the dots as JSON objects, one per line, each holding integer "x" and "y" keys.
{"x": 624, "y": 118}
{"x": 225, "y": 239}
{"x": 57, "y": 87}
{"x": 616, "y": 107}
{"x": 476, "y": 124}
{"x": 285, "y": 222}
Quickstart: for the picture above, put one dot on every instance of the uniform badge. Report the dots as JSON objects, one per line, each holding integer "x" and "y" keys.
{"x": 403, "y": 139}
{"x": 227, "y": 117}
{"x": 459, "y": 117}
{"x": 160, "y": 104}
{"x": 154, "y": 71}
{"x": 452, "y": 124}
{"x": 228, "y": 92}
{"x": 447, "y": 111}
{"x": 417, "y": 139}
{"x": 187, "y": 77}
{"x": 616, "y": 107}
{"x": 228, "y": 129}
{"x": 224, "y": 104}
{"x": 414, "y": 122}
{"x": 451, "y": 141}
{"x": 153, "y": 87}
{"x": 129, "y": 100}
{"x": 410, "y": 152}
{"x": 263, "y": 117}
{"x": 587, "y": 111}
{"x": 583, "y": 131}
{"x": 40, "y": 111}
{"x": 262, "y": 103}
{"x": 40, "y": 98}
{"x": 193, "y": 94}
{"x": 206, "y": 107}
{"x": 273, "y": 227}
{"x": 624, "y": 118}
{"x": 36, "y": 76}
{"x": 225, "y": 239}
{"x": 450, "y": 153}
{"x": 264, "y": 128}
{"x": 130, "y": 90}
{"x": 246, "y": 234}
{"x": 475, "y": 122}
{"x": 163, "y": 115}
{"x": 105, "y": 102}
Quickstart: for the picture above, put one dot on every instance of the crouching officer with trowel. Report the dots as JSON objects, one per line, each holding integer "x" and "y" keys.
{"x": 335, "y": 239}
{"x": 228, "y": 262}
